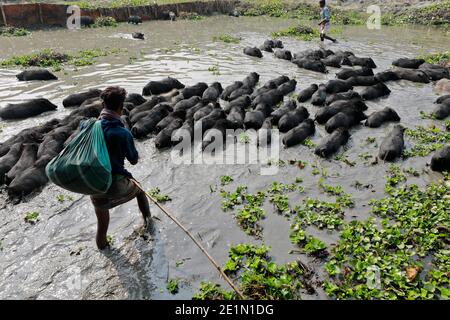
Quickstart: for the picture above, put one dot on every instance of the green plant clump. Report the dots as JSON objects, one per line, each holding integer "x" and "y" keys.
{"x": 260, "y": 278}
{"x": 250, "y": 214}
{"x": 105, "y": 22}
{"x": 32, "y": 217}
{"x": 407, "y": 257}
{"x": 321, "y": 214}
{"x": 442, "y": 58}
{"x": 13, "y": 32}
{"x": 213, "y": 291}
{"x": 226, "y": 38}
{"x": 224, "y": 180}
{"x": 173, "y": 286}
{"x": 156, "y": 194}
{"x": 301, "y": 32}
{"x": 427, "y": 140}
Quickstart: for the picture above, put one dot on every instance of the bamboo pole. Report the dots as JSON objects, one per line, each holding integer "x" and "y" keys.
{"x": 199, "y": 245}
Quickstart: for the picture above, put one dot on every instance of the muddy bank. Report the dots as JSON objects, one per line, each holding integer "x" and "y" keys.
{"x": 40, "y": 15}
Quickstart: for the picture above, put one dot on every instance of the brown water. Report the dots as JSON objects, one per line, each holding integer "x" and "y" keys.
{"x": 36, "y": 260}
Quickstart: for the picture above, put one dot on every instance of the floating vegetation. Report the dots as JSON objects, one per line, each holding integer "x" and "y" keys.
{"x": 260, "y": 278}
{"x": 173, "y": 286}
{"x": 407, "y": 257}
{"x": 62, "y": 198}
{"x": 225, "y": 180}
{"x": 250, "y": 214}
{"x": 301, "y": 32}
{"x": 213, "y": 291}
{"x": 428, "y": 140}
{"x": 395, "y": 176}
{"x": 155, "y": 193}
{"x": 322, "y": 214}
{"x": 226, "y": 38}
{"x": 214, "y": 70}
{"x": 32, "y": 217}
{"x": 309, "y": 143}
{"x": 433, "y": 14}
{"x": 13, "y": 32}
{"x": 232, "y": 199}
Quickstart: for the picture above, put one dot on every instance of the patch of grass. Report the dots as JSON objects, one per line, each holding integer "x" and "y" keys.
{"x": 32, "y": 217}
{"x": 13, "y": 32}
{"x": 301, "y": 32}
{"x": 155, "y": 193}
{"x": 173, "y": 286}
{"x": 226, "y": 38}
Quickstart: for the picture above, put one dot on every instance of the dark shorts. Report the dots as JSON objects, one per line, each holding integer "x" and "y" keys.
{"x": 121, "y": 191}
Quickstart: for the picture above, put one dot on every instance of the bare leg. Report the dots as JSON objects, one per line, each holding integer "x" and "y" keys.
{"x": 102, "y": 228}
{"x": 144, "y": 206}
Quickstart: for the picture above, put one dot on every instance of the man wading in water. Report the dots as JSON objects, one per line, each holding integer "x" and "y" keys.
{"x": 324, "y": 23}
{"x": 120, "y": 144}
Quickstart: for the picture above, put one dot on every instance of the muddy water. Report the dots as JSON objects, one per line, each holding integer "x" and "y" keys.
{"x": 56, "y": 257}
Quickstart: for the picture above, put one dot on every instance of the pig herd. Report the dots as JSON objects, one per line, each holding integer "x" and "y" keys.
{"x": 167, "y": 108}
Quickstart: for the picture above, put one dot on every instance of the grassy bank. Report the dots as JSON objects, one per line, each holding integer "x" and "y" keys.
{"x": 123, "y": 3}
{"x": 435, "y": 14}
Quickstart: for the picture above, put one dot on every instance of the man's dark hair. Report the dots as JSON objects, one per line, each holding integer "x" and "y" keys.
{"x": 322, "y": 2}
{"x": 113, "y": 97}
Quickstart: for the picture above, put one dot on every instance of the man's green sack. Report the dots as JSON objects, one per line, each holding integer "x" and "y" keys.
{"x": 83, "y": 166}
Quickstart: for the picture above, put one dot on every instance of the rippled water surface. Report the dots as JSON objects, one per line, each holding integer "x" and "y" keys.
{"x": 57, "y": 257}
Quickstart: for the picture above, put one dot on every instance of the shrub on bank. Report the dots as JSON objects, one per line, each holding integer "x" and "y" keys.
{"x": 13, "y": 32}
{"x": 105, "y": 22}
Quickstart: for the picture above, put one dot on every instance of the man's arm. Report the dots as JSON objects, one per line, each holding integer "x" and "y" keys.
{"x": 130, "y": 150}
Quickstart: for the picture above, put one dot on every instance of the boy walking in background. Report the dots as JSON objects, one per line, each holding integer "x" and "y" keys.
{"x": 325, "y": 17}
